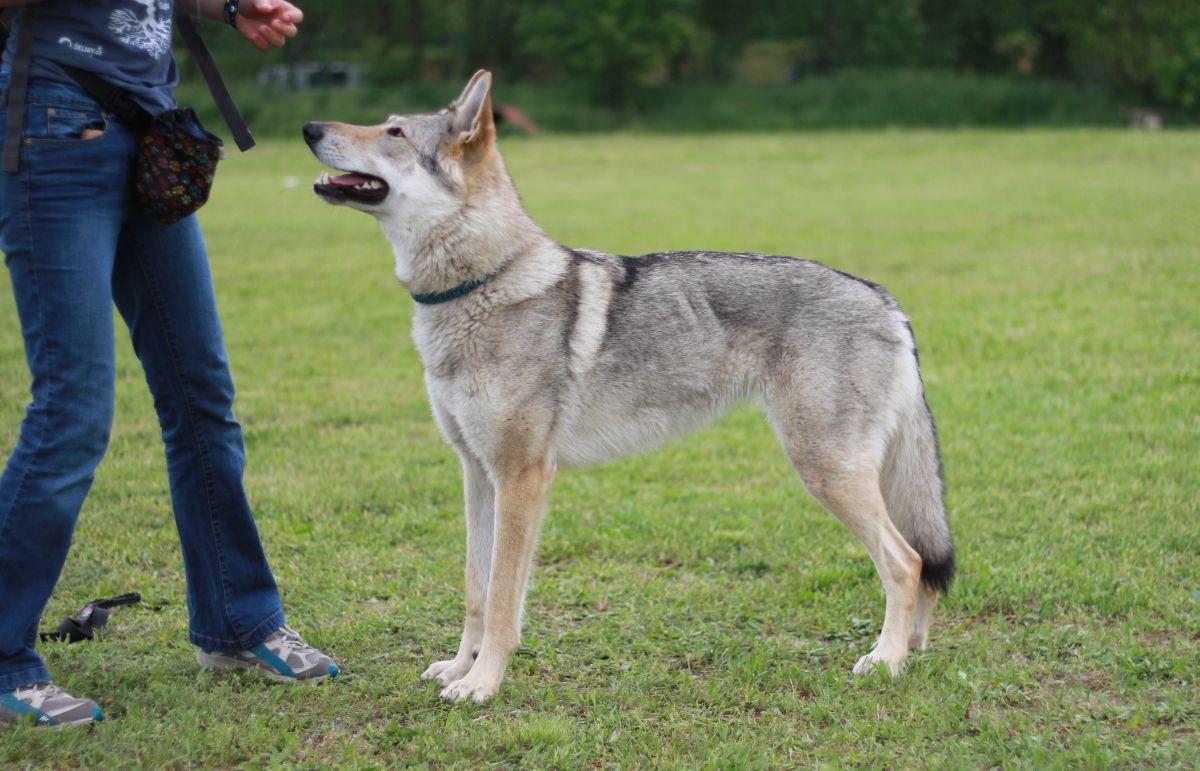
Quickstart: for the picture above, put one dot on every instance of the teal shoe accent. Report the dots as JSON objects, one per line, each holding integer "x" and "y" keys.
{"x": 14, "y": 706}
{"x": 333, "y": 670}
{"x": 279, "y": 665}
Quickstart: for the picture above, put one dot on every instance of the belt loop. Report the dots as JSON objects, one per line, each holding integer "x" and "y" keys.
{"x": 18, "y": 83}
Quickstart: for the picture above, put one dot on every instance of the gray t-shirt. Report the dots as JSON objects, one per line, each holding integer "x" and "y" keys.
{"x": 125, "y": 42}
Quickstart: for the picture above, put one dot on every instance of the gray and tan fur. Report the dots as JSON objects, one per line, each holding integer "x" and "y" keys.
{"x": 574, "y": 357}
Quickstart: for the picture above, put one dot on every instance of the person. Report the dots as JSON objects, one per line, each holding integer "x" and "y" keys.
{"x": 76, "y": 242}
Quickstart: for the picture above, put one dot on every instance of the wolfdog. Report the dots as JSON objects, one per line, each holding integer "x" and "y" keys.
{"x": 537, "y": 354}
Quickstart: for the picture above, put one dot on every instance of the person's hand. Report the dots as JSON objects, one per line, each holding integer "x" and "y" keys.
{"x": 268, "y": 23}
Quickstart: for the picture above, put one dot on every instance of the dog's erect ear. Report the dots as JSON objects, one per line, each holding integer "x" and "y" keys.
{"x": 471, "y": 120}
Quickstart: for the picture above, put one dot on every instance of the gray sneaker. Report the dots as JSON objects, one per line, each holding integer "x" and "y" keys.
{"x": 47, "y": 704}
{"x": 283, "y": 656}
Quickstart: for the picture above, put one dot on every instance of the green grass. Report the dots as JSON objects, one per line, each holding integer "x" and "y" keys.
{"x": 694, "y": 607}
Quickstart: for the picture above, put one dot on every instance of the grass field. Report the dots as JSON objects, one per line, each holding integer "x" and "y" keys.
{"x": 694, "y": 607}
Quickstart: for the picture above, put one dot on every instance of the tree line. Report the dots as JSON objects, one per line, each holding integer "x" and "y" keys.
{"x": 1147, "y": 51}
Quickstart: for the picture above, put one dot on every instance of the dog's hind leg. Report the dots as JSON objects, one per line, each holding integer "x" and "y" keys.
{"x": 918, "y": 637}
{"x": 480, "y": 505}
{"x": 521, "y": 501}
{"x": 854, "y": 497}
{"x": 842, "y": 472}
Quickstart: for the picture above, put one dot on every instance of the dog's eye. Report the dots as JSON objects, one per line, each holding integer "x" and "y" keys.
{"x": 396, "y": 131}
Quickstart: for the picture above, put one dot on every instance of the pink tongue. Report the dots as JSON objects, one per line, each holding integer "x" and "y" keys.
{"x": 349, "y": 180}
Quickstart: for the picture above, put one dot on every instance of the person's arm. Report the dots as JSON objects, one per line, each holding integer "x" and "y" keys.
{"x": 264, "y": 23}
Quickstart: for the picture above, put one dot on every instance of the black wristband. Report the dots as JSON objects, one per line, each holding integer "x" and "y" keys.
{"x": 231, "y": 12}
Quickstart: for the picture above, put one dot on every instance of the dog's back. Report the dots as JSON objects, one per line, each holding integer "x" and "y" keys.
{"x": 663, "y": 342}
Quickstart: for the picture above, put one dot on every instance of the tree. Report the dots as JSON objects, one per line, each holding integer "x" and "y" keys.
{"x": 609, "y": 46}
{"x": 1146, "y": 49}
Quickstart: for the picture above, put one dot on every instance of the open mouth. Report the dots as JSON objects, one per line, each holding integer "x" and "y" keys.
{"x": 352, "y": 186}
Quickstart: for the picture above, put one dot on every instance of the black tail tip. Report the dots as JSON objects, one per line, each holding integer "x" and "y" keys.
{"x": 938, "y": 573}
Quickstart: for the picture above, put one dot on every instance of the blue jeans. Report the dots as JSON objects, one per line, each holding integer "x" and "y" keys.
{"x": 75, "y": 242}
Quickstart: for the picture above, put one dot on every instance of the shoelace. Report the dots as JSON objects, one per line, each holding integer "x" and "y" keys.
{"x": 290, "y": 642}
{"x": 38, "y": 694}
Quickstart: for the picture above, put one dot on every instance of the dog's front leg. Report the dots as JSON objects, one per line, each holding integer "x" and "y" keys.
{"x": 521, "y": 499}
{"x": 480, "y": 499}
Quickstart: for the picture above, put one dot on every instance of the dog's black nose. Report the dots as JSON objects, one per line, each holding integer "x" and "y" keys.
{"x": 313, "y": 132}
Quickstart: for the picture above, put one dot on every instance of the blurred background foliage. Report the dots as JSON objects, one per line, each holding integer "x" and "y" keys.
{"x": 1046, "y": 61}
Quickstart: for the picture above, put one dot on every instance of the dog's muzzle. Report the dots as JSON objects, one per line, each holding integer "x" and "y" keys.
{"x": 354, "y": 186}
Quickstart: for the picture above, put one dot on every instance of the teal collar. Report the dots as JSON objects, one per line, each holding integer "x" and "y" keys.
{"x": 465, "y": 288}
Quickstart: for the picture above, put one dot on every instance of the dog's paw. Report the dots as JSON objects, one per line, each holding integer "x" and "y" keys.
{"x": 874, "y": 661}
{"x": 446, "y": 672}
{"x": 469, "y": 688}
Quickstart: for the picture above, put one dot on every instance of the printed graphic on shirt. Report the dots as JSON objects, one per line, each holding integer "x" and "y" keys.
{"x": 148, "y": 28}
{"x": 80, "y": 47}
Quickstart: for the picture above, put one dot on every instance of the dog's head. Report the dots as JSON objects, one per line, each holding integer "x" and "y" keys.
{"x": 409, "y": 164}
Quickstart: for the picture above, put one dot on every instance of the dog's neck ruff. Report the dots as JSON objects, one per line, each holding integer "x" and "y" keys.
{"x": 463, "y": 289}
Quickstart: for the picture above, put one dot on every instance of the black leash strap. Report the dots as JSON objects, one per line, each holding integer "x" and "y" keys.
{"x": 83, "y": 625}
{"x": 18, "y": 81}
{"x": 131, "y": 598}
{"x": 212, "y": 76}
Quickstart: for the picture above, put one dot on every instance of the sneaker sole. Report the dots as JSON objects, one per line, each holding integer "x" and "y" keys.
{"x": 221, "y": 666}
{"x": 56, "y": 726}
{"x": 76, "y": 724}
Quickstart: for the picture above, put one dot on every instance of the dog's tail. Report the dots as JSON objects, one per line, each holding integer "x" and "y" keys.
{"x": 911, "y": 481}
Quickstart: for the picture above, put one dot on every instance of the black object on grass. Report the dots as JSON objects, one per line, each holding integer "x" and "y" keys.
{"x": 93, "y": 616}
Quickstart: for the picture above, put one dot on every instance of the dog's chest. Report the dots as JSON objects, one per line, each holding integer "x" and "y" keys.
{"x": 452, "y": 345}
{"x": 472, "y": 357}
